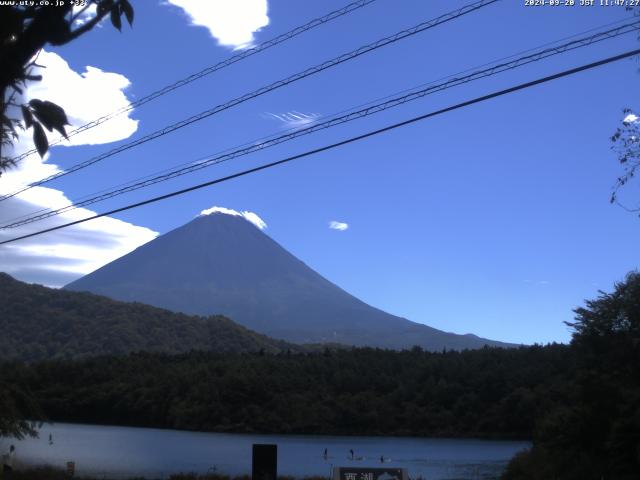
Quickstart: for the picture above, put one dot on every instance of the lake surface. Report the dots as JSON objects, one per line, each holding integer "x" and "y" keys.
{"x": 118, "y": 452}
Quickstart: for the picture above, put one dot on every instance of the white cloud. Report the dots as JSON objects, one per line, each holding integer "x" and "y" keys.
{"x": 631, "y": 118}
{"x": 59, "y": 257}
{"x": 232, "y": 22}
{"x": 84, "y": 96}
{"x": 249, "y": 216}
{"x": 341, "y": 226}
{"x": 294, "y": 118}
{"x": 85, "y": 14}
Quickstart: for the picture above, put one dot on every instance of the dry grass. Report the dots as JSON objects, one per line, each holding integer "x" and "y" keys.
{"x": 51, "y": 473}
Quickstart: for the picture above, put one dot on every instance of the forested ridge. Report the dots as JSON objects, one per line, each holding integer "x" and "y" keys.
{"x": 579, "y": 403}
{"x": 40, "y": 323}
{"x": 488, "y": 392}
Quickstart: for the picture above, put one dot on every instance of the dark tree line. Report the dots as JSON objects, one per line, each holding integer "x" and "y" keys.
{"x": 488, "y": 392}
{"x": 594, "y": 430}
{"x": 38, "y": 323}
{"x": 580, "y": 403}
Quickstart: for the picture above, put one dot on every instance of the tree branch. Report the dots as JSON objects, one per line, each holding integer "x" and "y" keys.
{"x": 86, "y": 27}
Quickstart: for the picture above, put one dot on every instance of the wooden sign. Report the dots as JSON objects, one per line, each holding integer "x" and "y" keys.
{"x": 366, "y": 473}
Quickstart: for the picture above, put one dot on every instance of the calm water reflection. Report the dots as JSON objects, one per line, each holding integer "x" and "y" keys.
{"x": 116, "y": 452}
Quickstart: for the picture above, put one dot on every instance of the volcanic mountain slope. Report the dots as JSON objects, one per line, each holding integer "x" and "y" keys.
{"x": 223, "y": 264}
{"x": 39, "y": 323}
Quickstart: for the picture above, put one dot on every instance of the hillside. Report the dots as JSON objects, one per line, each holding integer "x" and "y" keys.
{"x": 223, "y": 264}
{"x": 42, "y": 323}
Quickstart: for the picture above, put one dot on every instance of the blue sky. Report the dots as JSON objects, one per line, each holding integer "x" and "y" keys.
{"x": 493, "y": 219}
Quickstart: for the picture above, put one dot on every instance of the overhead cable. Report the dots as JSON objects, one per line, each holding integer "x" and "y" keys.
{"x": 421, "y": 27}
{"x": 246, "y": 53}
{"x": 308, "y": 153}
{"x": 338, "y": 120}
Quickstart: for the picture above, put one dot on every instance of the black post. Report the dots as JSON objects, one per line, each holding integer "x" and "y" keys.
{"x": 265, "y": 462}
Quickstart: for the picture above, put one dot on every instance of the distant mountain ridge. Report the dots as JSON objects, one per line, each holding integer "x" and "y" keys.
{"x": 223, "y": 264}
{"x": 40, "y": 323}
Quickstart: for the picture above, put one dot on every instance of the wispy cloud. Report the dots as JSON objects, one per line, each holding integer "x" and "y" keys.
{"x": 341, "y": 226}
{"x": 294, "y": 119}
{"x": 631, "y": 118}
{"x": 57, "y": 258}
{"x": 249, "y": 216}
{"x": 232, "y": 23}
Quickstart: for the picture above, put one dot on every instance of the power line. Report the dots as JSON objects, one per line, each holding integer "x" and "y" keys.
{"x": 372, "y": 133}
{"x": 432, "y": 82}
{"x": 372, "y": 109}
{"x": 337, "y": 120}
{"x": 209, "y": 70}
{"x": 273, "y": 86}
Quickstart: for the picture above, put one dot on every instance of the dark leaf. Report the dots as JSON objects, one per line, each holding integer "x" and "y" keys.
{"x": 61, "y": 130}
{"x": 115, "y": 17}
{"x": 127, "y": 9}
{"x": 40, "y": 139}
{"x": 104, "y": 6}
{"x": 8, "y": 128}
{"x": 28, "y": 118}
{"x": 40, "y": 113}
{"x": 51, "y": 115}
{"x": 6, "y": 121}
{"x": 11, "y": 20}
{"x": 34, "y": 78}
{"x": 57, "y": 27}
{"x": 36, "y": 103}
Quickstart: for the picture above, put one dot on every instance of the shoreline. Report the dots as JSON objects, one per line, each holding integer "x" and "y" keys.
{"x": 399, "y": 435}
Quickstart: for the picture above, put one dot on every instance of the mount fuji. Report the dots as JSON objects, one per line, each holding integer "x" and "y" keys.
{"x": 225, "y": 264}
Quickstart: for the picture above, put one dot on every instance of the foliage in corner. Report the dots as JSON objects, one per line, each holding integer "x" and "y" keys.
{"x": 626, "y": 142}
{"x": 18, "y": 405}
{"x": 24, "y": 31}
{"x": 594, "y": 430}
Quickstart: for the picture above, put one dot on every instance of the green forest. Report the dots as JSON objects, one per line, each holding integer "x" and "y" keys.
{"x": 593, "y": 432}
{"x": 580, "y": 403}
{"x": 489, "y": 392}
{"x": 43, "y": 323}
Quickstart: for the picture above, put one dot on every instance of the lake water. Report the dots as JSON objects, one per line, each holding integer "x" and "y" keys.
{"x": 118, "y": 452}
